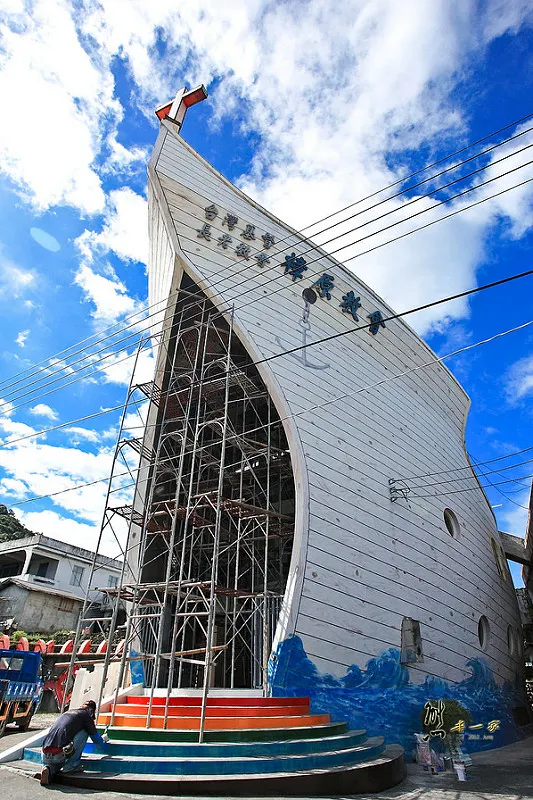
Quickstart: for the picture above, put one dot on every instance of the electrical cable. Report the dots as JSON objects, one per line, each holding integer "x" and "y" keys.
{"x": 475, "y": 476}
{"x": 395, "y": 316}
{"x": 478, "y": 463}
{"x": 353, "y": 204}
{"x": 326, "y": 403}
{"x": 459, "y": 491}
{"x": 366, "y": 326}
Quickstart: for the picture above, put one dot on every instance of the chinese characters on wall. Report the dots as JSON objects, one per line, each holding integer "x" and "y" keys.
{"x": 293, "y": 265}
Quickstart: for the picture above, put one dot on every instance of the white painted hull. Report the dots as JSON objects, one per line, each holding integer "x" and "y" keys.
{"x": 360, "y": 563}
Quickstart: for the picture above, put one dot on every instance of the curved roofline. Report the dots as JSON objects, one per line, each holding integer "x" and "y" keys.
{"x": 167, "y": 128}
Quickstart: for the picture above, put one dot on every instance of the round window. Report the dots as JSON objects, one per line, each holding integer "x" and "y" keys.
{"x": 452, "y": 523}
{"x": 483, "y": 632}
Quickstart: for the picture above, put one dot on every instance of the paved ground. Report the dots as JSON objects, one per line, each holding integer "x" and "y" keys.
{"x": 504, "y": 774}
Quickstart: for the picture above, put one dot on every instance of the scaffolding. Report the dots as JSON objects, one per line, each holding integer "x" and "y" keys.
{"x": 211, "y": 521}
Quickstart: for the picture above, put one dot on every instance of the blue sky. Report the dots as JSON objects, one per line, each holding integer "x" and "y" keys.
{"x": 311, "y": 107}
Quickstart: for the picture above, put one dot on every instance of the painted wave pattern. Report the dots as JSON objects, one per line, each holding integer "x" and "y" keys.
{"x": 382, "y": 699}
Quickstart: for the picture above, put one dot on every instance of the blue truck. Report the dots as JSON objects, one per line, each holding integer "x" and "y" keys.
{"x": 21, "y": 687}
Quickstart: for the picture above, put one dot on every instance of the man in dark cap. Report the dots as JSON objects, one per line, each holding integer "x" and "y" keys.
{"x": 64, "y": 742}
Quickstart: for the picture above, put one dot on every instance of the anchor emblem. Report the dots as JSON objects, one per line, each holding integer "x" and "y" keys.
{"x": 309, "y": 298}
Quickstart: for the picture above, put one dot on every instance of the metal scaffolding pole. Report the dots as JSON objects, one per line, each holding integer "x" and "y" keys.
{"x": 210, "y": 525}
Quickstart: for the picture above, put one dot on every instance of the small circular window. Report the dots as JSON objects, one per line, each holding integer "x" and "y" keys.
{"x": 452, "y": 523}
{"x": 511, "y": 640}
{"x": 483, "y": 632}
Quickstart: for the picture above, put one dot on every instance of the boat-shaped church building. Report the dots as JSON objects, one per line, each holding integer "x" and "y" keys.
{"x": 307, "y": 522}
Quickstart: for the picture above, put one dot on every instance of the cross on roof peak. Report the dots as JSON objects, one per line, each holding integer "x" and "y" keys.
{"x": 175, "y": 110}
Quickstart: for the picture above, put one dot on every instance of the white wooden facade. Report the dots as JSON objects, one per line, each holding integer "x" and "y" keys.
{"x": 360, "y": 563}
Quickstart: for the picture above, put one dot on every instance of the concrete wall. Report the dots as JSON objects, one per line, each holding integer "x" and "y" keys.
{"x": 37, "y": 611}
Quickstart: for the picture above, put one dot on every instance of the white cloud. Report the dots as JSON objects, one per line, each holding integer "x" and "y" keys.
{"x": 125, "y": 229}
{"x": 43, "y": 410}
{"x": 46, "y": 469}
{"x": 513, "y": 518}
{"x": 519, "y": 380}
{"x": 6, "y": 409}
{"x": 33, "y": 468}
{"x": 13, "y": 488}
{"x": 56, "y": 526}
{"x": 65, "y": 94}
{"x": 15, "y": 281}
{"x": 21, "y": 338}
{"x": 108, "y": 294}
{"x": 118, "y": 369}
{"x": 124, "y": 159}
{"x": 78, "y": 435}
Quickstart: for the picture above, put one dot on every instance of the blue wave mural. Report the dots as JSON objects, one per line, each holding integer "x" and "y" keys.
{"x": 382, "y": 699}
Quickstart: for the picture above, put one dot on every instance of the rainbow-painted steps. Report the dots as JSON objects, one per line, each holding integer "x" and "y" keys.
{"x": 252, "y": 746}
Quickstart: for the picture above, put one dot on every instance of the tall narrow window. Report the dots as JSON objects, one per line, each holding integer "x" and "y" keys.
{"x": 77, "y": 575}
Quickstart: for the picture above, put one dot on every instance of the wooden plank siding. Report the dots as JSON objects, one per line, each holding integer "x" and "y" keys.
{"x": 360, "y": 563}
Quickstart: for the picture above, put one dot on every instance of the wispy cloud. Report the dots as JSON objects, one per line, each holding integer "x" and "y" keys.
{"x": 21, "y": 338}
{"x": 43, "y": 410}
{"x": 519, "y": 380}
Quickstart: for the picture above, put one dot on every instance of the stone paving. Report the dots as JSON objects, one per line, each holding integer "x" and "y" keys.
{"x": 503, "y": 774}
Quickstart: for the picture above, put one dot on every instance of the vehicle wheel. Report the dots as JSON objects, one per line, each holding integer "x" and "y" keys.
{"x": 24, "y": 723}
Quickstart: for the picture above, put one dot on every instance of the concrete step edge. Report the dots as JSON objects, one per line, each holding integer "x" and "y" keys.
{"x": 390, "y": 754}
{"x": 337, "y": 737}
{"x": 96, "y": 758}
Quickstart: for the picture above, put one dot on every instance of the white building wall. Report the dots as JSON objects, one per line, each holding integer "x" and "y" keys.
{"x": 62, "y": 580}
{"x": 360, "y": 563}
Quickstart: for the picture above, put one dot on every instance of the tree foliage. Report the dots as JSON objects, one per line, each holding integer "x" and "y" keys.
{"x": 10, "y": 527}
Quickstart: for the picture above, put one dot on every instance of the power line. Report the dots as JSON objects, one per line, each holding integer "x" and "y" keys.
{"x": 395, "y": 316}
{"x": 429, "y": 166}
{"x": 351, "y": 205}
{"x": 475, "y": 476}
{"x": 319, "y": 406}
{"x": 476, "y": 463}
{"x": 459, "y": 491}
{"x": 385, "y": 319}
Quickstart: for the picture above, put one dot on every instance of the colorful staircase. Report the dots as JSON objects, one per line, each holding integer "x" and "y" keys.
{"x": 252, "y": 746}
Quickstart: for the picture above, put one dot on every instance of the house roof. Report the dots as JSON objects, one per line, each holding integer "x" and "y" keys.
{"x": 60, "y": 548}
{"x": 34, "y": 587}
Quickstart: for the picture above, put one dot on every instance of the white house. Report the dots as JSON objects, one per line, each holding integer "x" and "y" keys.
{"x": 43, "y": 582}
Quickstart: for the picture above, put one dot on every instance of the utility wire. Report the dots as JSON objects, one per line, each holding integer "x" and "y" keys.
{"x": 351, "y": 205}
{"x": 476, "y": 463}
{"x": 395, "y": 316}
{"x": 460, "y": 491}
{"x": 320, "y": 406}
{"x": 475, "y": 476}
{"x": 366, "y": 326}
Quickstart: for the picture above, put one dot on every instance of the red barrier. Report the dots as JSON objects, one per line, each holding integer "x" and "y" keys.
{"x": 102, "y": 648}
{"x": 84, "y": 648}
{"x": 50, "y": 647}
{"x": 23, "y": 644}
{"x": 120, "y": 647}
{"x": 5, "y": 641}
{"x": 68, "y": 647}
{"x": 40, "y": 647}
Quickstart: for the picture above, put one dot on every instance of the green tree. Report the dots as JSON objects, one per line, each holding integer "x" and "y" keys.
{"x": 10, "y": 527}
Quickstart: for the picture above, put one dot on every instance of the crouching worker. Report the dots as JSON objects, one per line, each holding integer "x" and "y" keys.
{"x": 64, "y": 743}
